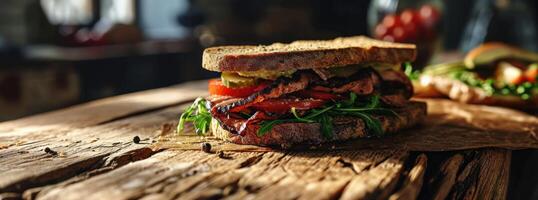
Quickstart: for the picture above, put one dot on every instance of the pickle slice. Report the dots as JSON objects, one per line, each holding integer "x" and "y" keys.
{"x": 230, "y": 79}
{"x": 267, "y": 74}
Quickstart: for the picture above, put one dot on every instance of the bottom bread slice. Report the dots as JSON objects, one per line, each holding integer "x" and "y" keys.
{"x": 344, "y": 128}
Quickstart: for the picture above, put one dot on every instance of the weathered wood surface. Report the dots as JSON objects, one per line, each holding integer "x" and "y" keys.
{"x": 98, "y": 112}
{"x": 96, "y": 158}
{"x": 449, "y": 126}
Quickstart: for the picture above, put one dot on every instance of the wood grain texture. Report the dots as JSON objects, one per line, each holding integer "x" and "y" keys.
{"x": 96, "y": 158}
{"x": 449, "y": 126}
{"x": 471, "y": 174}
{"x": 413, "y": 180}
{"x": 444, "y": 179}
{"x": 97, "y": 112}
{"x": 456, "y": 126}
{"x": 28, "y": 165}
{"x": 274, "y": 175}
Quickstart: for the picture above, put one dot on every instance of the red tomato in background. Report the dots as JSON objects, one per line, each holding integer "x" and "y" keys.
{"x": 216, "y": 87}
{"x": 390, "y": 21}
{"x": 386, "y": 30}
{"x": 531, "y": 73}
{"x": 380, "y": 31}
{"x": 409, "y": 26}
{"x": 429, "y": 16}
{"x": 410, "y": 16}
{"x": 411, "y": 23}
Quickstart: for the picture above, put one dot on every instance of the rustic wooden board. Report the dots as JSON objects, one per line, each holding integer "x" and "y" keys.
{"x": 93, "y": 145}
{"x": 467, "y": 175}
{"x": 455, "y": 126}
{"x": 28, "y": 165}
{"x": 86, "y": 137}
{"x": 449, "y": 126}
{"x": 99, "y": 112}
{"x": 351, "y": 175}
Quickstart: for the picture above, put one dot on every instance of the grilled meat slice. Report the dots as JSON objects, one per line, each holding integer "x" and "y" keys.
{"x": 281, "y": 86}
{"x": 397, "y": 89}
{"x": 236, "y": 124}
{"x": 324, "y": 74}
{"x": 364, "y": 82}
{"x": 394, "y": 77}
{"x": 394, "y": 100}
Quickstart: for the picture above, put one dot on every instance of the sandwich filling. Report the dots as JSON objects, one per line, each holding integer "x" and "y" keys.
{"x": 251, "y": 103}
{"x": 502, "y": 78}
{"x": 489, "y": 74}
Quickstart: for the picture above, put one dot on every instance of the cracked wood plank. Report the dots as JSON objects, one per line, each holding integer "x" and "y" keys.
{"x": 413, "y": 180}
{"x": 28, "y": 165}
{"x": 473, "y": 174}
{"x": 490, "y": 181}
{"x": 442, "y": 182}
{"x": 259, "y": 175}
{"x": 378, "y": 182}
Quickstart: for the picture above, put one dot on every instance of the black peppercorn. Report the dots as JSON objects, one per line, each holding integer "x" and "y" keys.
{"x": 136, "y": 139}
{"x": 50, "y": 151}
{"x": 206, "y": 147}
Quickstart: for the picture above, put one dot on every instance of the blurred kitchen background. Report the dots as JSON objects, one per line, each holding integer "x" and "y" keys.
{"x": 56, "y": 53}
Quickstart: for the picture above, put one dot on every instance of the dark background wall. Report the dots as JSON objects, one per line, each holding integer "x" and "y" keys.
{"x": 46, "y": 64}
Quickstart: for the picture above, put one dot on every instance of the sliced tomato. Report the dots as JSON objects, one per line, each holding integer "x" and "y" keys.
{"x": 532, "y": 73}
{"x": 216, "y": 87}
{"x": 319, "y": 95}
{"x": 285, "y": 105}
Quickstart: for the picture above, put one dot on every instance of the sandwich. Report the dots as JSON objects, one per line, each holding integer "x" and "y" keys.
{"x": 306, "y": 92}
{"x": 491, "y": 74}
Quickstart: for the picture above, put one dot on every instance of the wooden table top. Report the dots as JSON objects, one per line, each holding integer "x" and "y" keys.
{"x": 87, "y": 152}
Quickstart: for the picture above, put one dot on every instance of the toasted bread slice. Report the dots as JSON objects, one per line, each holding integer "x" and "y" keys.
{"x": 439, "y": 86}
{"x": 345, "y": 128}
{"x": 306, "y": 54}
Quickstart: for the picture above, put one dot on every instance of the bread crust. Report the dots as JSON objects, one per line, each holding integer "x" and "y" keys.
{"x": 306, "y": 54}
{"x": 345, "y": 128}
{"x": 438, "y": 86}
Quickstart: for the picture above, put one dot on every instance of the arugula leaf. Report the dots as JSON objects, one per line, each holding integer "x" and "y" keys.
{"x": 198, "y": 114}
{"x": 524, "y": 90}
{"x": 325, "y": 116}
{"x": 373, "y": 102}
{"x": 381, "y": 111}
{"x": 316, "y": 113}
{"x": 408, "y": 70}
{"x": 266, "y": 126}
{"x": 326, "y": 123}
{"x": 352, "y": 98}
{"x": 294, "y": 112}
{"x": 372, "y": 124}
{"x": 458, "y": 71}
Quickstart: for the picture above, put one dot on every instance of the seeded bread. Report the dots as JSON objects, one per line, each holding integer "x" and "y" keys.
{"x": 306, "y": 54}
{"x": 345, "y": 128}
